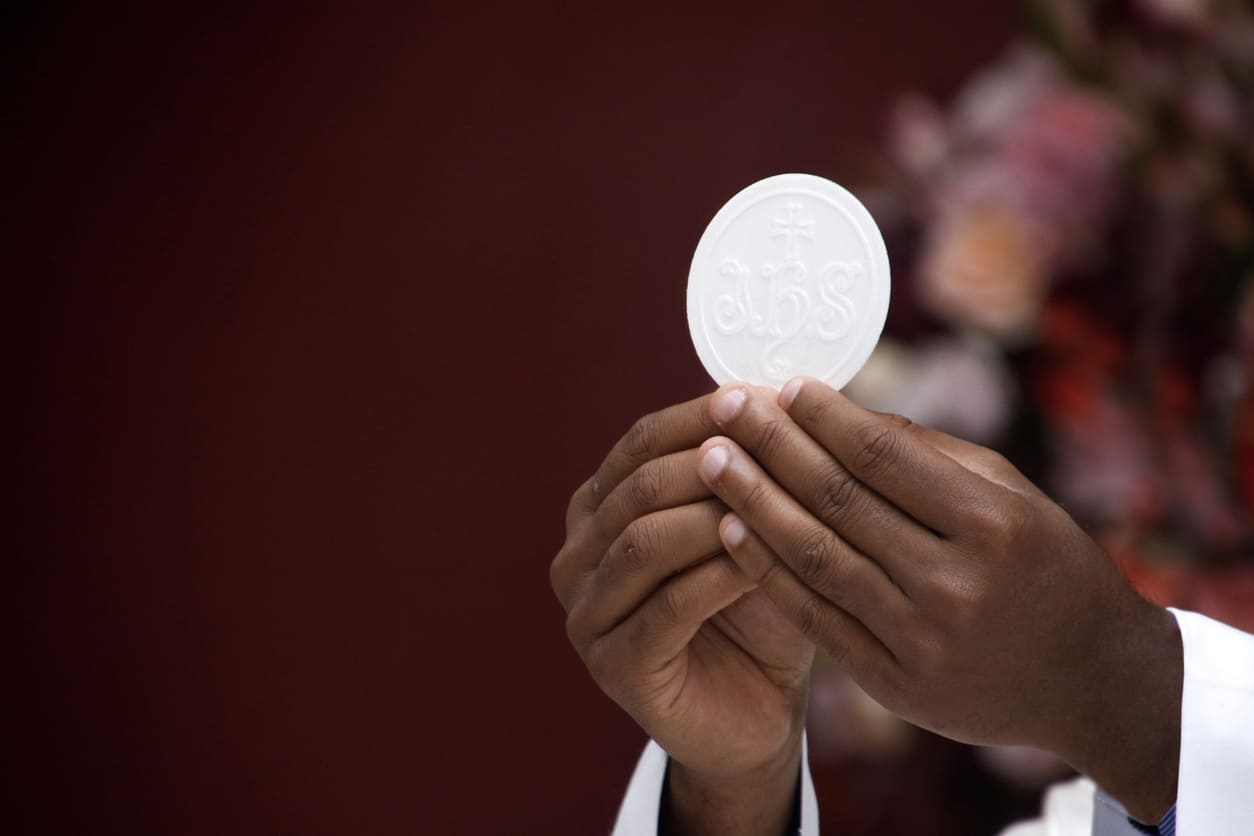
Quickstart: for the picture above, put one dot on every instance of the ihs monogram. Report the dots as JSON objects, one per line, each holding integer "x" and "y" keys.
{"x": 782, "y": 307}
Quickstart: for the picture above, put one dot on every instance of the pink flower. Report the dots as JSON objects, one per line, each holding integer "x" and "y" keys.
{"x": 982, "y": 269}
{"x": 1027, "y": 195}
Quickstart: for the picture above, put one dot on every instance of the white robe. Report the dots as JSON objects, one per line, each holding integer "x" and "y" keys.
{"x": 1215, "y": 794}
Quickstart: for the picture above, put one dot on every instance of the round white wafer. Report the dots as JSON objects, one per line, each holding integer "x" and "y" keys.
{"x": 790, "y": 278}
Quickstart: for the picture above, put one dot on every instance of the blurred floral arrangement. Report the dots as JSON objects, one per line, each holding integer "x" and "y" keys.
{"x": 1073, "y": 244}
{"x": 1081, "y": 292}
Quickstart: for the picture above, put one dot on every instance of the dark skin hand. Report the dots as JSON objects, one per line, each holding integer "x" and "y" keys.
{"x": 952, "y": 589}
{"x": 675, "y": 633}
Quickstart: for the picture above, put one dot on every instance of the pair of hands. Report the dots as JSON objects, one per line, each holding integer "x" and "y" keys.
{"x": 722, "y": 536}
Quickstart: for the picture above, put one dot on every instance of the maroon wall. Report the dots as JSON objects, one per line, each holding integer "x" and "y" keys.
{"x": 320, "y": 317}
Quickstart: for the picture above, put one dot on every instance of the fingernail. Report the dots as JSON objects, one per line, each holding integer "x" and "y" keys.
{"x": 734, "y": 533}
{"x": 714, "y": 462}
{"x": 790, "y": 390}
{"x": 728, "y": 404}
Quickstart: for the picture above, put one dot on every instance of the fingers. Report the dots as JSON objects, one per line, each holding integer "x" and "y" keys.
{"x": 661, "y": 628}
{"x": 670, "y": 430}
{"x": 667, "y": 482}
{"x": 845, "y": 638}
{"x": 823, "y": 485}
{"x": 886, "y": 457}
{"x": 817, "y": 556}
{"x": 650, "y": 550}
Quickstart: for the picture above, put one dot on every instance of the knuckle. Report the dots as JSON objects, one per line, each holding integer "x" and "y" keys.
{"x": 812, "y": 621}
{"x": 877, "y": 447}
{"x": 814, "y": 558}
{"x": 640, "y": 542}
{"x": 770, "y": 436}
{"x": 836, "y": 492}
{"x": 757, "y": 500}
{"x": 557, "y": 574}
{"x": 641, "y": 440}
{"x": 581, "y": 503}
{"x": 816, "y": 412}
{"x": 673, "y": 602}
{"x": 960, "y": 600}
{"x": 628, "y": 559}
{"x": 984, "y": 521}
{"x": 838, "y": 651}
{"x": 994, "y": 461}
{"x": 1019, "y": 514}
{"x": 646, "y": 486}
{"x": 1003, "y": 524}
{"x": 991, "y": 465}
{"x": 897, "y": 420}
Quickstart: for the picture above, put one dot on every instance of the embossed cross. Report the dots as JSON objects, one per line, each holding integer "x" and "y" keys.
{"x": 792, "y": 228}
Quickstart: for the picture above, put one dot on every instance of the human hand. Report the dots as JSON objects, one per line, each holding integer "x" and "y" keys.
{"x": 952, "y": 589}
{"x": 675, "y": 633}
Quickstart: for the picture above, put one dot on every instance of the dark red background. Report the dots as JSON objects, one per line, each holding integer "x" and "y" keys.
{"x": 320, "y": 317}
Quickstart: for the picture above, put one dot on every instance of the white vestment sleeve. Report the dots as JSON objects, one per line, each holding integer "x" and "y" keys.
{"x": 637, "y": 816}
{"x": 1066, "y": 811}
{"x": 1076, "y": 808}
{"x": 1216, "y": 790}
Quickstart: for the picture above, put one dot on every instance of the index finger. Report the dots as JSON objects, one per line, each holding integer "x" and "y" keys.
{"x": 670, "y": 430}
{"x": 897, "y": 464}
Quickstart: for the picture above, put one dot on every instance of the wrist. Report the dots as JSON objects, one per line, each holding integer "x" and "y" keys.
{"x": 760, "y": 800}
{"x": 1128, "y": 737}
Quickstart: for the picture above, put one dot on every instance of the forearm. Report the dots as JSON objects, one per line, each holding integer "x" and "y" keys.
{"x": 762, "y": 802}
